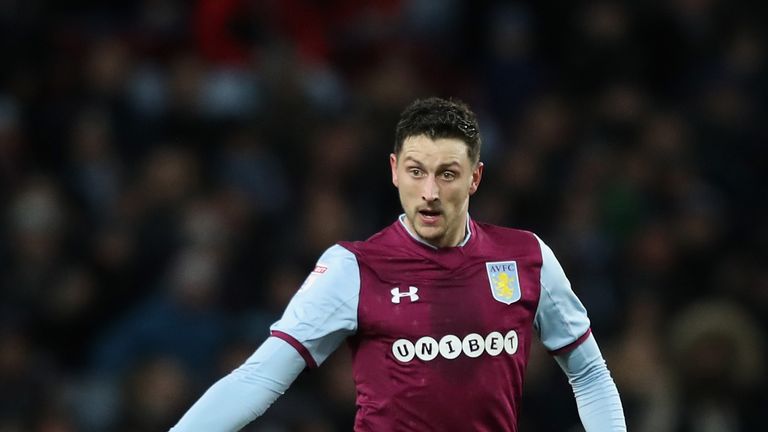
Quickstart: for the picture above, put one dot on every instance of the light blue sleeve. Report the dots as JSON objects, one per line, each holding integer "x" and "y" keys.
{"x": 561, "y": 320}
{"x": 323, "y": 312}
{"x": 240, "y": 397}
{"x": 319, "y": 317}
{"x": 596, "y": 395}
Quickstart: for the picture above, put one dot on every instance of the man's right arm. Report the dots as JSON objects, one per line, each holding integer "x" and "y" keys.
{"x": 321, "y": 314}
{"x": 240, "y": 397}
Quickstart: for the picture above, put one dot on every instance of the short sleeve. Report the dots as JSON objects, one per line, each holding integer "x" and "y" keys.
{"x": 561, "y": 319}
{"x": 323, "y": 312}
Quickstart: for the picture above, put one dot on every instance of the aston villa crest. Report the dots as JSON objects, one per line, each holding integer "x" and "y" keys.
{"x": 505, "y": 285}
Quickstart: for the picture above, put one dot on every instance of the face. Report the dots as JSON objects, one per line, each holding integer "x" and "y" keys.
{"x": 435, "y": 179}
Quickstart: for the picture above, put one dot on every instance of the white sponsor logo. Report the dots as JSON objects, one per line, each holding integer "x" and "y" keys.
{"x": 411, "y": 294}
{"x": 450, "y": 347}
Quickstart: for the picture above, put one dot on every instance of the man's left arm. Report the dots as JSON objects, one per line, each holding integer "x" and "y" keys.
{"x": 564, "y": 329}
{"x": 596, "y": 395}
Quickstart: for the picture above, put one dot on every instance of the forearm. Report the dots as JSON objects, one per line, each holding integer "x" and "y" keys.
{"x": 240, "y": 397}
{"x": 228, "y": 406}
{"x": 596, "y": 395}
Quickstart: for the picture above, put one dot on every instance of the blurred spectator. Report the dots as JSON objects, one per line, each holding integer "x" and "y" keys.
{"x": 249, "y": 166}
{"x": 36, "y": 240}
{"x": 716, "y": 382}
{"x": 96, "y": 174}
{"x": 155, "y": 393}
{"x": 182, "y": 319}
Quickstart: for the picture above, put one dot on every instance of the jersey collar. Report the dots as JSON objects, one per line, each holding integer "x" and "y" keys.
{"x": 416, "y": 237}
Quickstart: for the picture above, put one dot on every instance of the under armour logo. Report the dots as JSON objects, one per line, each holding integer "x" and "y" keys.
{"x": 411, "y": 294}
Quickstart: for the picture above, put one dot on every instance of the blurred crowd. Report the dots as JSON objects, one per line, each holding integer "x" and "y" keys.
{"x": 170, "y": 171}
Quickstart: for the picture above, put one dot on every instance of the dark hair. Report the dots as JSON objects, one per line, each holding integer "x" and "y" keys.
{"x": 439, "y": 118}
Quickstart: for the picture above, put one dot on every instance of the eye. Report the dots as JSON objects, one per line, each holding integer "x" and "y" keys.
{"x": 448, "y": 175}
{"x": 416, "y": 172}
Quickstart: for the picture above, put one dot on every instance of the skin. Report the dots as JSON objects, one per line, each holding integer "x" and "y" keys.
{"x": 435, "y": 179}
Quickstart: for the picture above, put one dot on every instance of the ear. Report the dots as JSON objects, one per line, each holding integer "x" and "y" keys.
{"x": 477, "y": 175}
{"x": 393, "y": 166}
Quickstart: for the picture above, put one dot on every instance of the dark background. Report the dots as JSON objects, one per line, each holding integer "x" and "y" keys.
{"x": 170, "y": 171}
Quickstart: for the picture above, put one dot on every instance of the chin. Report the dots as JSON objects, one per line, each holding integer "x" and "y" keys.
{"x": 430, "y": 234}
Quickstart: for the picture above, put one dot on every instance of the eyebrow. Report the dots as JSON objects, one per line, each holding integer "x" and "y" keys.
{"x": 441, "y": 166}
{"x": 450, "y": 164}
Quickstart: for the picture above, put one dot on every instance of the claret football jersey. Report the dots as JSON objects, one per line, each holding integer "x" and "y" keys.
{"x": 439, "y": 336}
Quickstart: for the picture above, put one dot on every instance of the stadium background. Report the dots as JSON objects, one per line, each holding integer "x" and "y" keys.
{"x": 170, "y": 170}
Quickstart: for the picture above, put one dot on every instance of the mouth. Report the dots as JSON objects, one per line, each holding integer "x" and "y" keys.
{"x": 429, "y": 217}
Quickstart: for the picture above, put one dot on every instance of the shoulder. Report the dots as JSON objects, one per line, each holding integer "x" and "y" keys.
{"x": 385, "y": 239}
{"x": 525, "y": 242}
{"x": 506, "y": 232}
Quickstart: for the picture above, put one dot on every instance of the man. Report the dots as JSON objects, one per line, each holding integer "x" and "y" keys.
{"x": 439, "y": 310}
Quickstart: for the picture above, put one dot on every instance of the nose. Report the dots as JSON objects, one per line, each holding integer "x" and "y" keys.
{"x": 430, "y": 189}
